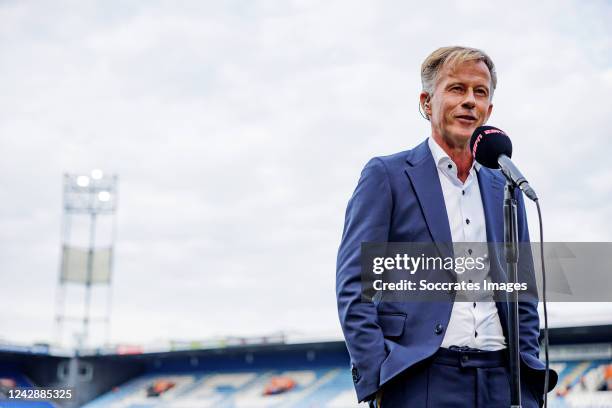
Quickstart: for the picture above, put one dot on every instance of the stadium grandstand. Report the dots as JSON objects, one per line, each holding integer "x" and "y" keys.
{"x": 266, "y": 372}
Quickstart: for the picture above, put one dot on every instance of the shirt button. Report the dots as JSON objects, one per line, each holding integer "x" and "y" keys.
{"x": 475, "y": 334}
{"x": 467, "y": 221}
{"x": 450, "y": 166}
{"x": 462, "y": 192}
{"x": 438, "y": 329}
{"x": 470, "y": 251}
{"x": 474, "y": 304}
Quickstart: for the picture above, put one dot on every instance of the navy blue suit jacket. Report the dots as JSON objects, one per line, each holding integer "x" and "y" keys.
{"x": 399, "y": 199}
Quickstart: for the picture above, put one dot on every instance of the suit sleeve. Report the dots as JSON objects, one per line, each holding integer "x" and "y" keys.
{"x": 368, "y": 216}
{"x": 528, "y": 310}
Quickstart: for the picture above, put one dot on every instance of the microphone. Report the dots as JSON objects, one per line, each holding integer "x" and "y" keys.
{"x": 492, "y": 148}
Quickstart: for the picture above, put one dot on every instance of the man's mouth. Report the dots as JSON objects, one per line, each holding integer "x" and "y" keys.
{"x": 466, "y": 118}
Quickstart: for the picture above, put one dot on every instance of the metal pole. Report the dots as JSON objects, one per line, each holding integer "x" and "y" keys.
{"x": 61, "y": 288}
{"x": 511, "y": 251}
{"x": 109, "y": 298}
{"x": 90, "y": 259}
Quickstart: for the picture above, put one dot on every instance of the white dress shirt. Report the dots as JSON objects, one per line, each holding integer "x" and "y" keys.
{"x": 472, "y": 324}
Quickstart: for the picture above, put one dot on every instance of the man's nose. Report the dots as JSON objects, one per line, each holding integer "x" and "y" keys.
{"x": 469, "y": 102}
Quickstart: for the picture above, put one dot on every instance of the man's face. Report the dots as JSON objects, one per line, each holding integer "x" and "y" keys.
{"x": 460, "y": 102}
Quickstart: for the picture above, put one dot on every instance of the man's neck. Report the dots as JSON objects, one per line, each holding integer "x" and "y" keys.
{"x": 459, "y": 154}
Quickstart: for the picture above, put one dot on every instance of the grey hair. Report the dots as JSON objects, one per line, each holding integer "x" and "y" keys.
{"x": 451, "y": 57}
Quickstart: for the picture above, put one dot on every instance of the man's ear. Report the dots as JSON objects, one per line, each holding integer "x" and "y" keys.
{"x": 425, "y": 99}
{"x": 489, "y": 111}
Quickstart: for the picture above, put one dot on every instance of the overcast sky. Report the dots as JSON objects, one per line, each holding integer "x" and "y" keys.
{"x": 238, "y": 130}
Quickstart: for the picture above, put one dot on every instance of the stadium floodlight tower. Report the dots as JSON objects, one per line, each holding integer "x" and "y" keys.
{"x": 87, "y": 246}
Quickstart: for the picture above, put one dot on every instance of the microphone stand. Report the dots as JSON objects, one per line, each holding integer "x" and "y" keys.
{"x": 511, "y": 252}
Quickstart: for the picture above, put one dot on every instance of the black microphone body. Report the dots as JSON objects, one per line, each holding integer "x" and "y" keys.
{"x": 492, "y": 148}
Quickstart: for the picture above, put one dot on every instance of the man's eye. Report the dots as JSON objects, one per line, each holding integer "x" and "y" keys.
{"x": 456, "y": 89}
{"x": 481, "y": 92}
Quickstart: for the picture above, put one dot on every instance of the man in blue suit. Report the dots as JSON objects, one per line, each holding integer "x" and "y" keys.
{"x": 436, "y": 354}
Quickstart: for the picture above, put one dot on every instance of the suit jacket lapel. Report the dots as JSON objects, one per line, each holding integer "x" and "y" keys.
{"x": 423, "y": 175}
{"x": 492, "y": 195}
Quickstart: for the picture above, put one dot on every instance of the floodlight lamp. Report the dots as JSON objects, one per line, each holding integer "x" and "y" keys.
{"x": 104, "y": 196}
{"x": 82, "y": 181}
{"x": 97, "y": 174}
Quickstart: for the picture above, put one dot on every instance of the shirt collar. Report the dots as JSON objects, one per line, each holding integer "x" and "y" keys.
{"x": 440, "y": 156}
